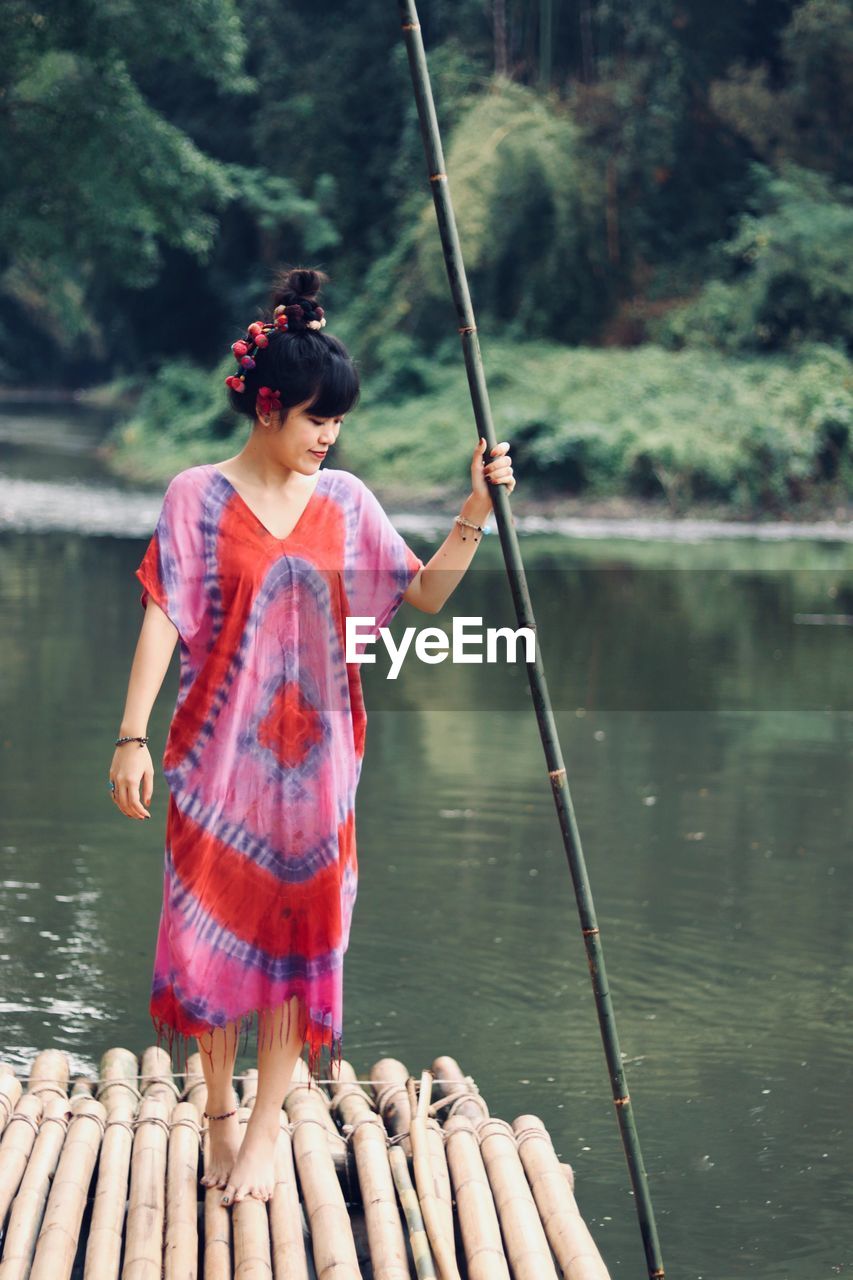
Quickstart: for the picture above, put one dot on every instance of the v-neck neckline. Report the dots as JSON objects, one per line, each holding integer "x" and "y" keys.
{"x": 254, "y": 515}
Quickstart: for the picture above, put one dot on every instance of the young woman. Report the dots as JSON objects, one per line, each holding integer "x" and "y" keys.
{"x": 254, "y": 565}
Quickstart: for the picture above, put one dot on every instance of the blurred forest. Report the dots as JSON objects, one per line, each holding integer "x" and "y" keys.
{"x": 648, "y": 177}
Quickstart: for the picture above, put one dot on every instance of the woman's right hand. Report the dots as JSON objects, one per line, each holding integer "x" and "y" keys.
{"x": 132, "y": 764}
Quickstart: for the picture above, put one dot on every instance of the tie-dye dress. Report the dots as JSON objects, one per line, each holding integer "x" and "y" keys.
{"x": 264, "y": 751}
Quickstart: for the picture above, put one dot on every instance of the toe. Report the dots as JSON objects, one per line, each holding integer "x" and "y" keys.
{"x": 228, "y": 1194}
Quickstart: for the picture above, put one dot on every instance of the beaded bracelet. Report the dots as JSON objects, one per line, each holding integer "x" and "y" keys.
{"x": 460, "y": 520}
{"x": 143, "y": 741}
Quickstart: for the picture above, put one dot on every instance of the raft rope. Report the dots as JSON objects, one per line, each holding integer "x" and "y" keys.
{"x": 45, "y": 1083}
{"x": 463, "y": 1091}
{"x": 468, "y": 1093}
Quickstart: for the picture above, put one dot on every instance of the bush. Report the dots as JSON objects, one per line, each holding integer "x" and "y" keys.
{"x": 181, "y": 412}
{"x": 754, "y": 435}
{"x": 529, "y": 204}
{"x": 790, "y": 275}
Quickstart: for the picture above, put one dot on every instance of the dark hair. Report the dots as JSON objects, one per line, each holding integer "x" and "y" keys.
{"x": 304, "y": 364}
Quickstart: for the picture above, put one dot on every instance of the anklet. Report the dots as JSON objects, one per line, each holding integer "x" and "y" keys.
{"x": 224, "y": 1116}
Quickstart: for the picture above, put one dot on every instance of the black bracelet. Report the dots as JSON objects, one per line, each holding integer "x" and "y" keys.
{"x": 143, "y": 741}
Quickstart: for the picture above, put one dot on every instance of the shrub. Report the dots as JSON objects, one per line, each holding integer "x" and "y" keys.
{"x": 790, "y": 275}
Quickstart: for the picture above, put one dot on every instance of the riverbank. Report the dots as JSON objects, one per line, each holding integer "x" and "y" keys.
{"x": 640, "y": 439}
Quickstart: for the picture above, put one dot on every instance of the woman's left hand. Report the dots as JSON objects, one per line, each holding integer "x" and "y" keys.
{"x": 497, "y": 471}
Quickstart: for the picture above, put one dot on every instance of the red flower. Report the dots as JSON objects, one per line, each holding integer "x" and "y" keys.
{"x": 269, "y": 399}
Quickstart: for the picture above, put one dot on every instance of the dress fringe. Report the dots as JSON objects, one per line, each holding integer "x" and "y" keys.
{"x": 317, "y": 1036}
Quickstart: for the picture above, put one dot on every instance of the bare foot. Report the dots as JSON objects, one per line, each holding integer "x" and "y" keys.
{"x": 224, "y": 1145}
{"x": 254, "y": 1171}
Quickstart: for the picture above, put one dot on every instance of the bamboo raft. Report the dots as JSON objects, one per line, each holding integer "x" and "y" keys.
{"x": 101, "y": 1180}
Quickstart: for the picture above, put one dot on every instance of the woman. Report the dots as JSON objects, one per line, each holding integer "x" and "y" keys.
{"x": 254, "y": 566}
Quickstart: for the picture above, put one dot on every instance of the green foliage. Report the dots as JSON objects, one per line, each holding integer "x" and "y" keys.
{"x": 97, "y": 185}
{"x": 181, "y": 416}
{"x": 277, "y": 203}
{"x": 751, "y": 436}
{"x": 92, "y": 176}
{"x": 790, "y": 269}
{"x": 806, "y": 115}
{"x": 528, "y": 205}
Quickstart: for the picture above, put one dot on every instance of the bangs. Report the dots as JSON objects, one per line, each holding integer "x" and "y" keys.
{"x": 336, "y": 391}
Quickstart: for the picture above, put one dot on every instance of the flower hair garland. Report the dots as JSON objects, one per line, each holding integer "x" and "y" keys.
{"x": 293, "y": 317}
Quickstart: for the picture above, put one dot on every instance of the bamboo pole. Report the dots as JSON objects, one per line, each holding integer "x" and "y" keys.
{"x": 180, "y": 1251}
{"x": 393, "y": 1104}
{"x": 369, "y": 1141}
{"x": 551, "y": 1183}
{"x": 146, "y": 1212}
{"x": 157, "y": 1079}
{"x": 289, "y": 1259}
{"x": 29, "y": 1204}
{"x": 119, "y": 1095}
{"x": 49, "y": 1075}
{"x": 19, "y": 1137}
{"x": 143, "y": 1258}
{"x": 250, "y": 1226}
{"x": 195, "y": 1085}
{"x": 475, "y": 1206}
{"x": 418, "y": 1238}
{"x": 249, "y": 1223}
{"x": 526, "y": 1244}
{"x": 441, "y": 1241}
{"x": 217, "y": 1227}
{"x": 459, "y": 1092}
{"x": 10, "y": 1093}
{"x": 388, "y": 1079}
{"x": 332, "y": 1241}
{"x": 524, "y": 611}
{"x": 57, "y": 1243}
{"x": 216, "y": 1219}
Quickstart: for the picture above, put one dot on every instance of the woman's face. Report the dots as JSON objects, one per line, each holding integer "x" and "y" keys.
{"x": 304, "y": 438}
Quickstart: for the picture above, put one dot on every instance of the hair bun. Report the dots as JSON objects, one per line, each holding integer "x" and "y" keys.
{"x": 298, "y": 286}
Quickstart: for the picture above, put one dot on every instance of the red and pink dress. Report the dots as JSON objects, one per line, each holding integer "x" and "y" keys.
{"x": 265, "y": 747}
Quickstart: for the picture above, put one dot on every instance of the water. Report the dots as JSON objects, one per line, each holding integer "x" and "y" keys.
{"x": 702, "y": 700}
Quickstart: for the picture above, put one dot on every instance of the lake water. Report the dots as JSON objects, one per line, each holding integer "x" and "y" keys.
{"x": 702, "y": 696}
